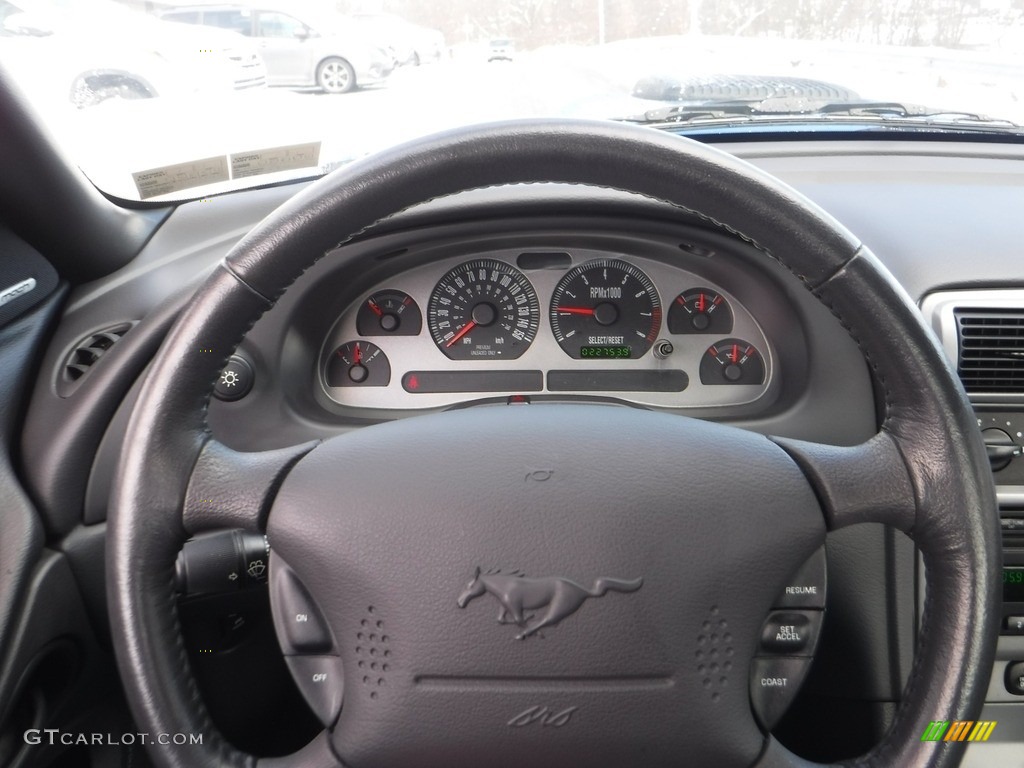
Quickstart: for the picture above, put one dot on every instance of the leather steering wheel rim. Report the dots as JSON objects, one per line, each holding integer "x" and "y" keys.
{"x": 925, "y": 472}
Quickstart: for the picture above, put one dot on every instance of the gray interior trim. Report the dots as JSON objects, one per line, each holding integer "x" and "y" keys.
{"x": 938, "y": 309}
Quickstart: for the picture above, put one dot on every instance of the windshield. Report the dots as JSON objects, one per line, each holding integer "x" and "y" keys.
{"x": 167, "y": 99}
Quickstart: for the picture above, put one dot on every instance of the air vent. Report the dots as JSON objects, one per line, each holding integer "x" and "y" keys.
{"x": 87, "y": 352}
{"x": 991, "y": 349}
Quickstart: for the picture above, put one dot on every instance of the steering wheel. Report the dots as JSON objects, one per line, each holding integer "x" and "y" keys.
{"x": 621, "y": 680}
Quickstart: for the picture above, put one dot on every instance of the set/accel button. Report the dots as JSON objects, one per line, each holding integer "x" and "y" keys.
{"x": 793, "y": 633}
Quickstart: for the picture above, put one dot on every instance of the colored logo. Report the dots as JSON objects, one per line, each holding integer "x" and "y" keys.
{"x": 958, "y": 730}
{"x": 550, "y": 599}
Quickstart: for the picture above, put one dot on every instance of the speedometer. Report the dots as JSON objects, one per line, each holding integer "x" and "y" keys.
{"x": 483, "y": 310}
{"x": 605, "y": 309}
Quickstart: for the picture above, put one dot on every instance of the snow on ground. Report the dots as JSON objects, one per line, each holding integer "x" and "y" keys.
{"x": 113, "y": 140}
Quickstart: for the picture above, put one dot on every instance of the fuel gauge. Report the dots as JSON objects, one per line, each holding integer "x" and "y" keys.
{"x": 700, "y": 310}
{"x": 358, "y": 364}
{"x": 732, "y": 361}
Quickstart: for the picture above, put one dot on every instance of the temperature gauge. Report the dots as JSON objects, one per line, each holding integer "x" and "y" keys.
{"x": 358, "y": 364}
{"x": 732, "y": 361}
{"x": 389, "y": 313}
{"x": 700, "y": 310}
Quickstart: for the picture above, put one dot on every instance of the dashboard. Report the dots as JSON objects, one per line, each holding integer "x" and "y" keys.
{"x": 562, "y": 314}
{"x": 939, "y": 216}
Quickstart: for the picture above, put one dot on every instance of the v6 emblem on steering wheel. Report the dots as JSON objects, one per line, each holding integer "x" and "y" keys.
{"x": 552, "y": 598}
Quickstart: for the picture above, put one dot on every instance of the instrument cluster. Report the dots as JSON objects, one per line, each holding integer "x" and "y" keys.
{"x": 533, "y": 323}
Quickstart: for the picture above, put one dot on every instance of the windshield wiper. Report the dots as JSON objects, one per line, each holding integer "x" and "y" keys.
{"x": 906, "y": 111}
{"x": 805, "y": 110}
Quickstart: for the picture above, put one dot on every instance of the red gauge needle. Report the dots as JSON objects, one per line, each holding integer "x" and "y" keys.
{"x": 376, "y": 310}
{"x": 701, "y": 303}
{"x": 358, "y": 356}
{"x": 735, "y": 356}
{"x": 462, "y": 332}
{"x": 577, "y": 310}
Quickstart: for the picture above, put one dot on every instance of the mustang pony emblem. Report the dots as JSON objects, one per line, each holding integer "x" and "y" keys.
{"x": 553, "y": 598}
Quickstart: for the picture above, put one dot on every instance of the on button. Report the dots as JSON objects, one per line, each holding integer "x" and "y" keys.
{"x": 301, "y": 626}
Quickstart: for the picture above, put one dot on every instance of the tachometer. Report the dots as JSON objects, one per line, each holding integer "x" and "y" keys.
{"x": 483, "y": 309}
{"x": 604, "y": 309}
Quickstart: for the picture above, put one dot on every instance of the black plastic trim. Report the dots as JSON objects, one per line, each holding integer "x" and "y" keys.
{"x": 21, "y": 536}
{"x": 842, "y": 133}
{"x": 61, "y": 436}
{"x": 39, "y": 182}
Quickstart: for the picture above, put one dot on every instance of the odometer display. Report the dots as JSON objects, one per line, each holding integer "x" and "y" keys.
{"x": 1013, "y": 585}
{"x": 605, "y": 352}
{"x": 607, "y": 305}
{"x": 483, "y": 310}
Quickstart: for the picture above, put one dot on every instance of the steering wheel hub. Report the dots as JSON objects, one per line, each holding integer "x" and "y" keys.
{"x": 611, "y": 599}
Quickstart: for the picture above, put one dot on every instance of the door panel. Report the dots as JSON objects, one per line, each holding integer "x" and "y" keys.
{"x": 285, "y": 44}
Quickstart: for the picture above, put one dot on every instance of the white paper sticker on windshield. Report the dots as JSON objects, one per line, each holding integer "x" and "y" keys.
{"x": 174, "y": 178}
{"x": 263, "y": 161}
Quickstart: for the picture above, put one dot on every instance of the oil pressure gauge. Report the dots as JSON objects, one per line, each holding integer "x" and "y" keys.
{"x": 732, "y": 361}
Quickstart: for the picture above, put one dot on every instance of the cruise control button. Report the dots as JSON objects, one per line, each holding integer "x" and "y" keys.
{"x": 305, "y": 630}
{"x": 1015, "y": 625}
{"x": 774, "y": 683}
{"x": 1015, "y": 678}
{"x": 322, "y": 682}
{"x": 791, "y": 632}
{"x": 1012, "y": 525}
{"x": 807, "y": 588}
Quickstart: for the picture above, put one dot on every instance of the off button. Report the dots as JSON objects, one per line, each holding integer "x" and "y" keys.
{"x": 321, "y": 681}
